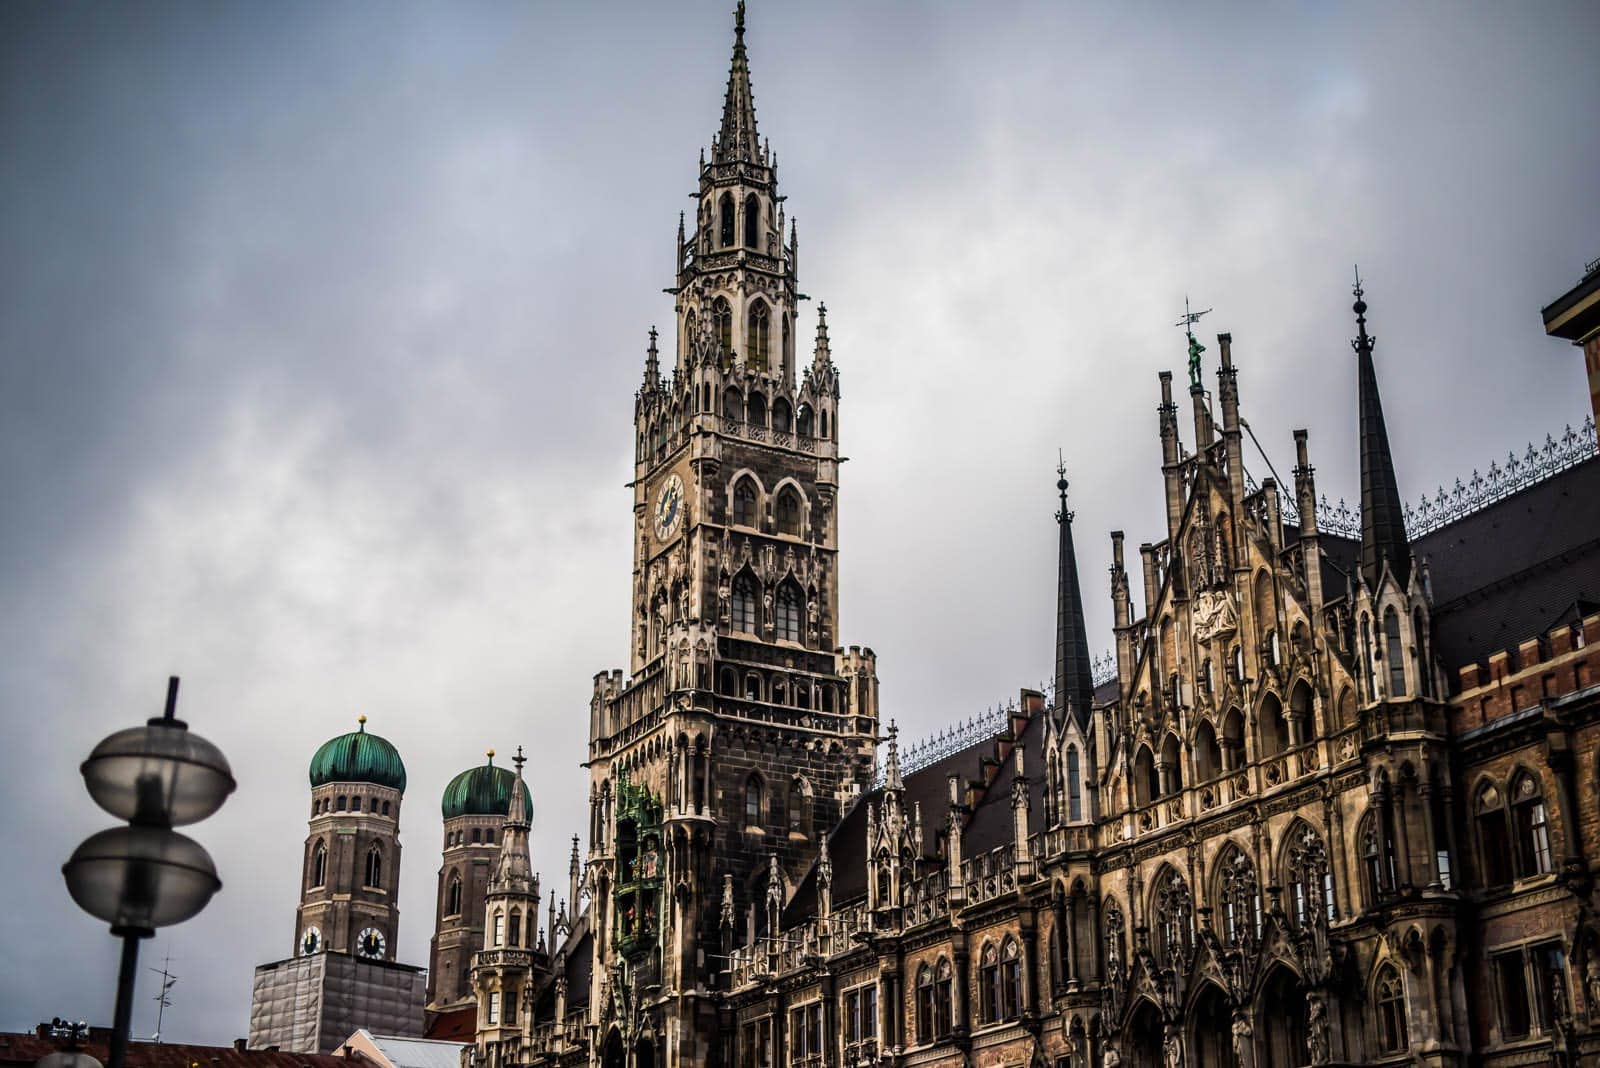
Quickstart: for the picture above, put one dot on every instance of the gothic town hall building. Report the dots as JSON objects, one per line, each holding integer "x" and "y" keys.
{"x": 1336, "y": 801}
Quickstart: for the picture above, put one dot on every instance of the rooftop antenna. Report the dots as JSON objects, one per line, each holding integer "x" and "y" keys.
{"x": 162, "y": 999}
{"x": 1195, "y": 348}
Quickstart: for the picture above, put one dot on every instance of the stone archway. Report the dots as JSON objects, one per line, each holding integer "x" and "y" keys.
{"x": 1282, "y": 1022}
{"x": 1142, "y": 1037}
{"x": 1211, "y": 1028}
{"x": 613, "y": 1054}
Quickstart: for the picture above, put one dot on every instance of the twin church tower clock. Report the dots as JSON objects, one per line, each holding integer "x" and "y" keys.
{"x": 740, "y": 714}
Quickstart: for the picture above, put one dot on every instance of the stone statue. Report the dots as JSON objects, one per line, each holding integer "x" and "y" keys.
{"x": 1172, "y": 1049}
{"x": 1112, "y": 1058}
{"x": 1317, "y": 1029}
{"x": 1591, "y": 981}
{"x": 1242, "y": 1033}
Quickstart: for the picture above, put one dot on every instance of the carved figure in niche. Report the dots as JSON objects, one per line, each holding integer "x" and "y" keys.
{"x": 683, "y": 603}
{"x": 1317, "y": 1029}
{"x": 1172, "y": 1048}
{"x": 1242, "y": 1033}
{"x": 1112, "y": 1058}
{"x": 1213, "y": 616}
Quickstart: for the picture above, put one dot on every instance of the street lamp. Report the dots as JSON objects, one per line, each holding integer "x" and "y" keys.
{"x": 146, "y": 875}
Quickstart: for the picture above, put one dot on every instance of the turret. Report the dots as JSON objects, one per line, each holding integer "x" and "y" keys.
{"x": 1383, "y": 526}
{"x": 1171, "y": 455}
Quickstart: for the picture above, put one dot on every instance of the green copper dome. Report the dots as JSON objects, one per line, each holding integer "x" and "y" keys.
{"x": 358, "y": 757}
{"x": 483, "y": 791}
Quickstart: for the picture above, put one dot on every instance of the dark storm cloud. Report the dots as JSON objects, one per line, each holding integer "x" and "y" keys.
{"x": 319, "y": 326}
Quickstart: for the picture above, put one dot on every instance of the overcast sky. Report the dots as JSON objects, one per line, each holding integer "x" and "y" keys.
{"x": 320, "y": 326}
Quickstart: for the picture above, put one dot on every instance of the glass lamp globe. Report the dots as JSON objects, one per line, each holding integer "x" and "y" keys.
{"x": 161, "y": 774}
{"x": 140, "y": 878}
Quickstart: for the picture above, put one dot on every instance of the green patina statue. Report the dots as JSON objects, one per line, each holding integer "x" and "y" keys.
{"x": 1195, "y": 349}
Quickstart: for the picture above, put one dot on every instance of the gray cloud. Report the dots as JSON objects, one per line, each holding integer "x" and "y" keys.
{"x": 321, "y": 324}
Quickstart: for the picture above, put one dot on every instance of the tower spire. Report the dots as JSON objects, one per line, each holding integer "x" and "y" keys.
{"x": 1074, "y": 673}
{"x": 738, "y": 139}
{"x": 891, "y": 768}
{"x": 1383, "y": 527}
{"x": 513, "y": 869}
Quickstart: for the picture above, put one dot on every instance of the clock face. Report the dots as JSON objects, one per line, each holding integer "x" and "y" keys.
{"x": 310, "y": 941}
{"x": 370, "y": 943}
{"x": 669, "y": 507}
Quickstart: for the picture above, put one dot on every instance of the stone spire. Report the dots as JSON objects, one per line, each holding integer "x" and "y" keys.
{"x": 513, "y": 871}
{"x": 738, "y": 140}
{"x": 652, "y": 364}
{"x": 1074, "y": 672}
{"x": 891, "y": 767}
{"x": 822, "y": 356}
{"x": 1383, "y": 525}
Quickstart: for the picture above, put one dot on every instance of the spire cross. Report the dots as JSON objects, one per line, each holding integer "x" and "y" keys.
{"x": 1064, "y": 515}
{"x": 519, "y": 760}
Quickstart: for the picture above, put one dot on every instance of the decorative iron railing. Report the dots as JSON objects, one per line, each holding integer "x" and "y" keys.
{"x": 980, "y": 728}
{"x": 1103, "y": 668}
{"x": 1446, "y": 506}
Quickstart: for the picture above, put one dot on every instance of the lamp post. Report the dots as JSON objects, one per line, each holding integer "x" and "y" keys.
{"x": 146, "y": 875}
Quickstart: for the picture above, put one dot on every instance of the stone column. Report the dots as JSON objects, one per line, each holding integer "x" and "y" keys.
{"x": 1425, "y": 791}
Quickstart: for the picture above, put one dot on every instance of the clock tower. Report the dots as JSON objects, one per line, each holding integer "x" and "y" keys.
{"x": 742, "y": 729}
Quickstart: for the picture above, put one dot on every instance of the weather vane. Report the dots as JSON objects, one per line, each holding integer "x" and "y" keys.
{"x": 1195, "y": 348}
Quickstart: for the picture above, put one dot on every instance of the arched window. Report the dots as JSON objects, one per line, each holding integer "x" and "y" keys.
{"x": 725, "y": 229}
{"x": 1207, "y": 754}
{"x": 743, "y": 614}
{"x": 1146, "y": 787}
{"x": 797, "y": 807}
{"x": 1074, "y": 787}
{"x": 319, "y": 864}
{"x": 1366, "y": 656}
{"x": 494, "y": 1007}
{"x": 511, "y": 1004}
{"x": 752, "y": 222}
{"x": 477, "y": 836}
{"x": 516, "y": 927}
{"x": 1494, "y": 843}
{"x": 1419, "y": 655}
{"x": 788, "y": 509}
{"x": 374, "y": 866}
{"x": 343, "y": 802}
{"x": 925, "y": 1010}
{"x": 452, "y": 895}
{"x": 1395, "y": 652}
{"x": 1172, "y": 764}
{"x": 1532, "y": 827}
{"x": 752, "y": 801}
{"x": 386, "y": 808}
{"x": 942, "y": 986}
{"x": 1390, "y": 996}
{"x": 722, "y": 325}
{"x": 803, "y": 421}
{"x": 758, "y": 338}
{"x": 1309, "y": 878}
{"x": 1372, "y": 859}
{"x": 755, "y": 410}
{"x": 989, "y": 984}
{"x": 1239, "y": 898}
{"x": 789, "y": 611}
{"x": 1174, "y": 913}
{"x": 1273, "y": 727}
{"x": 744, "y": 503}
{"x": 780, "y": 416}
{"x": 1010, "y": 981}
{"x": 499, "y": 928}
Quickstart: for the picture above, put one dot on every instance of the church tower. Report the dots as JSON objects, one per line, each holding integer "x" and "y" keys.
{"x": 349, "y": 897}
{"x": 474, "y": 808}
{"x": 742, "y": 728}
{"x": 342, "y": 973}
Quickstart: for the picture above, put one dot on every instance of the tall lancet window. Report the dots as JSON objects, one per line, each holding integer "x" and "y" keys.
{"x": 743, "y": 614}
{"x": 752, "y": 222}
{"x": 319, "y": 865}
{"x": 1074, "y": 790}
{"x": 759, "y": 338}
{"x": 374, "y": 867}
{"x": 788, "y": 621}
{"x": 722, "y": 325}
{"x": 1395, "y": 652}
{"x": 725, "y": 223}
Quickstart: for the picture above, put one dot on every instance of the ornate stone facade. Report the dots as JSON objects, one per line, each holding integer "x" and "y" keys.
{"x": 1316, "y": 816}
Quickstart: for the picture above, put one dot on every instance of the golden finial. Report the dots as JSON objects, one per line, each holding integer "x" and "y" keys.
{"x": 362, "y": 719}
{"x": 490, "y": 754}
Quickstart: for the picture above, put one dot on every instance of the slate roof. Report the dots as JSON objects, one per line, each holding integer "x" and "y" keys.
{"x": 1514, "y": 569}
{"x": 405, "y": 1052}
{"x": 988, "y": 826}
